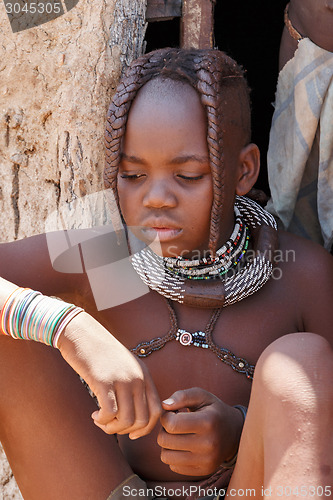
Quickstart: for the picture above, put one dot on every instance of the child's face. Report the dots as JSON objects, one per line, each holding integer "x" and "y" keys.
{"x": 164, "y": 181}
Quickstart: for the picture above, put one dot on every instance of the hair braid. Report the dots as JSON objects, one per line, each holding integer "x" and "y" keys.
{"x": 208, "y": 72}
{"x": 210, "y": 98}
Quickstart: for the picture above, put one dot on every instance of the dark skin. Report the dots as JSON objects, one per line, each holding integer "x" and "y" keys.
{"x": 312, "y": 19}
{"x": 299, "y": 301}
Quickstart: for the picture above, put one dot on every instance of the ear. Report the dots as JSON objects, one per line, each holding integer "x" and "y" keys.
{"x": 248, "y": 169}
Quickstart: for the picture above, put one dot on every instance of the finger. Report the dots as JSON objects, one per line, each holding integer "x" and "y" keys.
{"x": 193, "y": 399}
{"x": 183, "y": 423}
{"x": 105, "y": 427}
{"x": 178, "y": 458}
{"x": 187, "y": 470}
{"x": 108, "y": 409}
{"x": 125, "y": 415}
{"x": 126, "y": 410}
{"x": 154, "y": 409}
{"x": 141, "y": 411}
{"x": 176, "y": 442}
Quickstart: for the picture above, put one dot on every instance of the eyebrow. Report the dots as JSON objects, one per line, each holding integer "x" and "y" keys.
{"x": 132, "y": 159}
{"x": 178, "y": 160}
{"x": 188, "y": 158}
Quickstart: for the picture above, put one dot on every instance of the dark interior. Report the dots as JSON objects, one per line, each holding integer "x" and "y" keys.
{"x": 163, "y": 34}
{"x": 249, "y": 32}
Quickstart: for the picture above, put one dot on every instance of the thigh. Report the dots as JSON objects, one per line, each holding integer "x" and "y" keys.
{"x": 288, "y": 427}
{"x": 52, "y": 444}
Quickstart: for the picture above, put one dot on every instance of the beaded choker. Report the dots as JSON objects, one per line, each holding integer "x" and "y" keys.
{"x": 207, "y": 282}
{"x": 225, "y": 259}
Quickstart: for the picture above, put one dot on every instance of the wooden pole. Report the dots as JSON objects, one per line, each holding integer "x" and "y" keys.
{"x": 197, "y": 24}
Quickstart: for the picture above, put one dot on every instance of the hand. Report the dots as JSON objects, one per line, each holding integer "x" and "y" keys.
{"x": 197, "y": 439}
{"x": 129, "y": 402}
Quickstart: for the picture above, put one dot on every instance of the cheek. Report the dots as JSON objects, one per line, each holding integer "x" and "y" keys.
{"x": 206, "y": 201}
{"x": 201, "y": 226}
{"x": 126, "y": 203}
{"x": 201, "y": 212}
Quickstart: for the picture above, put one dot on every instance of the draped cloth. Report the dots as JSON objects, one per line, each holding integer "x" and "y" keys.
{"x": 300, "y": 154}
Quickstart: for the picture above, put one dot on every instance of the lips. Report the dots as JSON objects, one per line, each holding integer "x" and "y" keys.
{"x": 163, "y": 230}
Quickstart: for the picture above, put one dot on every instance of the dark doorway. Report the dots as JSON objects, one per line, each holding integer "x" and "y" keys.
{"x": 250, "y": 32}
{"x": 161, "y": 34}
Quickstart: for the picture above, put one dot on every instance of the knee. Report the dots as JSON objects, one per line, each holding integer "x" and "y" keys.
{"x": 298, "y": 368}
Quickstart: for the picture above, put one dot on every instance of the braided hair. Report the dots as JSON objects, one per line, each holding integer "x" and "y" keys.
{"x": 209, "y": 72}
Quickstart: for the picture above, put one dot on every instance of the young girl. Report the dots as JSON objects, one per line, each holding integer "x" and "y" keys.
{"x": 180, "y": 162}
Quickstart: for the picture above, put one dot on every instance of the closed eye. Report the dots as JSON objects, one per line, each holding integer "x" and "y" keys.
{"x": 131, "y": 176}
{"x": 190, "y": 178}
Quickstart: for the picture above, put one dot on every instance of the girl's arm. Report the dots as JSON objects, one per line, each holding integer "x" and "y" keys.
{"x": 127, "y": 396}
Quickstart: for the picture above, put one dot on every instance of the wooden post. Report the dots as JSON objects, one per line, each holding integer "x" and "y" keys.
{"x": 197, "y": 24}
{"x": 127, "y": 31}
{"x": 163, "y": 10}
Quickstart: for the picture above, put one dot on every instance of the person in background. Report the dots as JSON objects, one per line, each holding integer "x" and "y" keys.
{"x": 300, "y": 153}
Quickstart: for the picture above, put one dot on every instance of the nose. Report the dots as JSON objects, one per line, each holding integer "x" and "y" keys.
{"x": 159, "y": 195}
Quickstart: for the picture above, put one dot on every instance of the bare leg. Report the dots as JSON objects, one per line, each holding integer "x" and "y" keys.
{"x": 54, "y": 448}
{"x": 287, "y": 441}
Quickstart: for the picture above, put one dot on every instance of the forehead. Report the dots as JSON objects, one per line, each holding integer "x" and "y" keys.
{"x": 167, "y": 98}
{"x": 167, "y": 116}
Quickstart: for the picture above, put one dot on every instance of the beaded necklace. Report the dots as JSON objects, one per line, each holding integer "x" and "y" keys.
{"x": 179, "y": 279}
{"x": 168, "y": 276}
{"x": 226, "y": 257}
{"x": 202, "y": 339}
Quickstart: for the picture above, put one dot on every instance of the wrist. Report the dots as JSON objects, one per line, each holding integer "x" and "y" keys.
{"x": 228, "y": 464}
{"x": 29, "y": 315}
{"x": 84, "y": 336}
{"x": 76, "y": 330}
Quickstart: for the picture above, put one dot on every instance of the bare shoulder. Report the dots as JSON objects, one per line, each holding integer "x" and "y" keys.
{"x": 312, "y": 259}
{"x": 309, "y": 275}
{"x": 302, "y": 14}
{"x": 21, "y": 260}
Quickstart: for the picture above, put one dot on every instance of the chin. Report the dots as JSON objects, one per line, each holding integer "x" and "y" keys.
{"x": 139, "y": 240}
{"x": 164, "y": 250}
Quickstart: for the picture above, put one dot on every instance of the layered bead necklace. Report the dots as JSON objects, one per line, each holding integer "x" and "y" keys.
{"x": 168, "y": 276}
{"x": 226, "y": 257}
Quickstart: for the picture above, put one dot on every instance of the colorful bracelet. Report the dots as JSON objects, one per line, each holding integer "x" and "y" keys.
{"x": 29, "y": 315}
{"x": 230, "y": 463}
